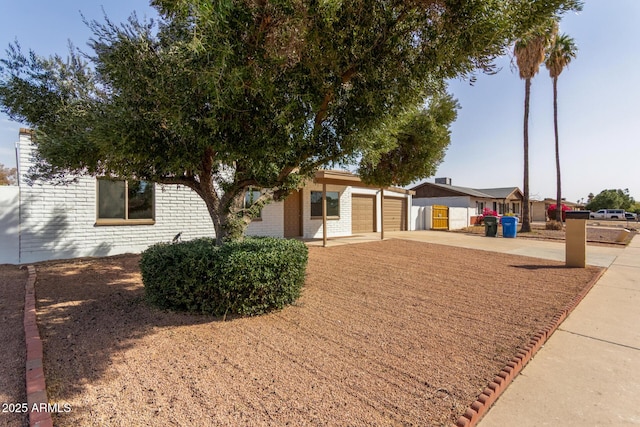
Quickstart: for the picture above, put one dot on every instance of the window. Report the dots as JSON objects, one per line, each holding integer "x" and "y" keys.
{"x": 249, "y": 197}
{"x": 333, "y": 204}
{"x": 125, "y": 202}
{"x": 479, "y": 208}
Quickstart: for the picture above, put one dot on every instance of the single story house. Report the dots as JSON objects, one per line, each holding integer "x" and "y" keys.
{"x": 99, "y": 217}
{"x": 539, "y": 208}
{"x": 506, "y": 200}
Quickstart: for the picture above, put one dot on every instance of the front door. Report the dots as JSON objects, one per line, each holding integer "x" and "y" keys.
{"x": 293, "y": 215}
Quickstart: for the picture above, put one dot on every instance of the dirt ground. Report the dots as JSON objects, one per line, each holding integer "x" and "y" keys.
{"x": 12, "y": 349}
{"x": 385, "y": 333}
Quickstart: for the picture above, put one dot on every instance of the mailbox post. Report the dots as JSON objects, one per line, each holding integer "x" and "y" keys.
{"x": 576, "y": 239}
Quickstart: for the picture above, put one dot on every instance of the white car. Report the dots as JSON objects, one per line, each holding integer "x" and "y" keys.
{"x": 631, "y": 216}
{"x": 608, "y": 214}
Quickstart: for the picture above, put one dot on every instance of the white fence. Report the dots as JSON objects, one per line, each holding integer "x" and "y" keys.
{"x": 9, "y": 224}
{"x": 460, "y": 217}
{"x": 421, "y": 217}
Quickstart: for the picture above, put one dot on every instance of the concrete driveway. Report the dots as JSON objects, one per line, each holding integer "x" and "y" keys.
{"x": 601, "y": 256}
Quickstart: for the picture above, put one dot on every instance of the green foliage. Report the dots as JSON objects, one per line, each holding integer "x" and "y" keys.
{"x": 414, "y": 143}
{"x": 8, "y": 176}
{"x": 560, "y": 53}
{"x": 237, "y": 94}
{"x": 611, "y": 199}
{"x": 246, "y": 277}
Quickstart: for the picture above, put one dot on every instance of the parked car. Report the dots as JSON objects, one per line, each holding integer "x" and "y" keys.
{"x": 608, "y": 214}
{"x": 631, "y": 216}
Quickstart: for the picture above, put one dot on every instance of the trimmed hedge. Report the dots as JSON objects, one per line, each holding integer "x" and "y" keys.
{"x": 251, "y": 277}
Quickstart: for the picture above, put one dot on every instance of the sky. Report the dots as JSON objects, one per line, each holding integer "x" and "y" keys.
{"x": 598, "y": 100}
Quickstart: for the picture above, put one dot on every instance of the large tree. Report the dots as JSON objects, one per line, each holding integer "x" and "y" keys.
{"x": 611, "y": 199}
{"x": 529, "y": 52}
{"x": 223, "y": 96}
{"x": 560, "y": 53}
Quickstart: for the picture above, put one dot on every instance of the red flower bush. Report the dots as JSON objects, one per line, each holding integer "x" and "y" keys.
{"x": 551, "y": 211}
{"x": 486, "y": 212}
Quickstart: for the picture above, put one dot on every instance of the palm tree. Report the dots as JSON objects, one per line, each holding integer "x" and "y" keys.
{"x": 562, "y": 51}
{"x": 529, "y": 52}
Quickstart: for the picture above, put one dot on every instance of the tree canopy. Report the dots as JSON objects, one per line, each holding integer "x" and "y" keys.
{"x": 223, "y": 96}
{"x": 611, "y": 199}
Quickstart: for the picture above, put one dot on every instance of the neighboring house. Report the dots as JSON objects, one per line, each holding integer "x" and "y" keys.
{"x": 539, "y": 208}
{"x": 507, "y": 200}
{"x": 98, "y": 217}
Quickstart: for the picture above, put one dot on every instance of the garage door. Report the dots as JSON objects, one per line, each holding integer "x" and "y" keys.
{"x": 395, "y": 214}
{"x": 363, "y": 213}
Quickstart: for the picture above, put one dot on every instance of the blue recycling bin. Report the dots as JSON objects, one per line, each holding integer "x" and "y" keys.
{"x": 509, "y": 226}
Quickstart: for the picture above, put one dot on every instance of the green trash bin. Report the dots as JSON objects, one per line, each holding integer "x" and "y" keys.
{"x": 490, "y": 226}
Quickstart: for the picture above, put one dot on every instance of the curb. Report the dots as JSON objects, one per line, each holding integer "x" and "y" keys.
{"x": 498, "y": 385}
{"x": 35, "y": 381}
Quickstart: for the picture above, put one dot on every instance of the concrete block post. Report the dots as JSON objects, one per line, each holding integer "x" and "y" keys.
{"x": 576, "y": 239}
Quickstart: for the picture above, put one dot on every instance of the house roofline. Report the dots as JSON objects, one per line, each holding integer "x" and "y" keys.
{"x": 347, "y": 178}
{"x": 462, "y": 191}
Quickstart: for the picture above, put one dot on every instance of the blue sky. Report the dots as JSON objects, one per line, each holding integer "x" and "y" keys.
{"x": 598, "y": 100}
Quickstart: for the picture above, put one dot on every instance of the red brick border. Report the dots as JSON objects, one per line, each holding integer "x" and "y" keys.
{"x": 35, "y": 381}
{"x": 489, "y": 395}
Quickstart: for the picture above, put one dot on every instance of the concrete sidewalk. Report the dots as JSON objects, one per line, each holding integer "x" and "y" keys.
{"x": 588, "y": 372}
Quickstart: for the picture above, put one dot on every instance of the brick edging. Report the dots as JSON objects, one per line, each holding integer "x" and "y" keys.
{"x": 497, "y": 386}
{"x": 35, "y": 381}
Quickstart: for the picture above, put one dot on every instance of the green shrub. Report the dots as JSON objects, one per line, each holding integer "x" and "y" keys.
{"x": 250, "y": 277}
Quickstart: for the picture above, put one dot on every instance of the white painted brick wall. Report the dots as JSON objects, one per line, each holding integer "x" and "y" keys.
{"x": 9, "y": 224}
{"x": 312, "y": 228}
{"x": 272, "y": 222}
{"x": 59, "y": 221}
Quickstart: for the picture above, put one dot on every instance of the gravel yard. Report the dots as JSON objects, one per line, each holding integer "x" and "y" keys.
{"x": 385, "y": 333}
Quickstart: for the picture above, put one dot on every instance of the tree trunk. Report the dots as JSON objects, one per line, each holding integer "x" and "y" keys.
{"x": 227, "y": 210}
{"x": 215, "y": 213}
{"x": 234, "y": 220}
{"x": 526, "y": 224}
{"x": 230, "y": 216}
{"x": 223, "y": 210}
{"x": 555, "y": 129}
